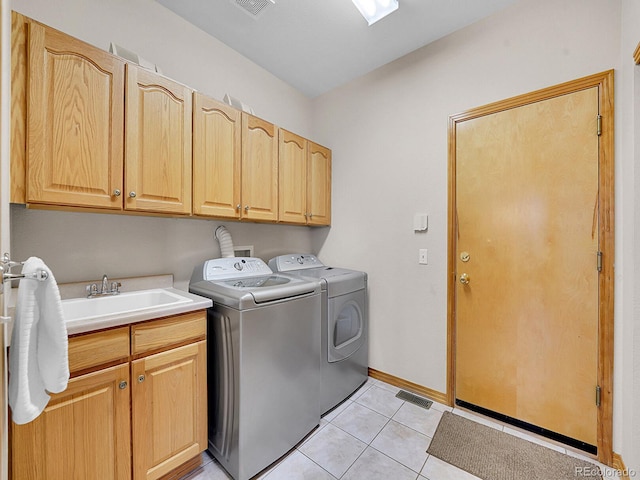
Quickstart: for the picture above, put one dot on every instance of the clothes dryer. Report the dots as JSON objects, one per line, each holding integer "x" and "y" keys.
{"x": 344, "y": 325}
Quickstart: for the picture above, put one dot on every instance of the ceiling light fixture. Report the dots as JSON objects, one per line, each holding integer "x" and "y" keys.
{"x": 374, "y": 10}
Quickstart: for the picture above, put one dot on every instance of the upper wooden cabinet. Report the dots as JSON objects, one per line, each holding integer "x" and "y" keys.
{"x": 319, "y": 184}
{"x": 158, "y": 143}
{"x": 293, "y": 178}
{"x": 217, "y": 136}
{"x": 259, "y": 169}
{"x": 90, "y": 130}
{"x": 74, "y": 127}
{"x": 305, "y": 181}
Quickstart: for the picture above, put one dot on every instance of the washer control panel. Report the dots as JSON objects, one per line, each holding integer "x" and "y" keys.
{"x": 234, "y": 267}
{"x": 293, "y": 262}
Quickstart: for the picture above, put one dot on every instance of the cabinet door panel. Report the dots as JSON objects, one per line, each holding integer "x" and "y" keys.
{"x": 217, "y": 135}
{"x": 319, "y": 185}
{"x": 158, "y": 143}
{"x": 75, "y": 122}
{"x": 259, "y": 169}
{"x": 83, "y": 433}
{"x": 169, "y": 409}
{"x": 292, "y": 168}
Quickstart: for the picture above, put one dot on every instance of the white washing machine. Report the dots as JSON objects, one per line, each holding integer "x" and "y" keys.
{"x": 344, "y": 325}
{"x": 263, "y": 361}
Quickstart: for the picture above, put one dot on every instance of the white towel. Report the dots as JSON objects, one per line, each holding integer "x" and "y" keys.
{"x": 38, "y": 356}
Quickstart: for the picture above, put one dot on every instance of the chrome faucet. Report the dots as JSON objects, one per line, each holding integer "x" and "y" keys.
{"x": 92, "y": 289}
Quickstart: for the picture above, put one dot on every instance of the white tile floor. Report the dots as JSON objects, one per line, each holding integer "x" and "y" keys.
{"x": 374, "y": 435}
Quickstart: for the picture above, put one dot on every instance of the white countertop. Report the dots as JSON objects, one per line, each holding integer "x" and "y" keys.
{"x": 195, "y": 302}
{"x": 70, "y": 292}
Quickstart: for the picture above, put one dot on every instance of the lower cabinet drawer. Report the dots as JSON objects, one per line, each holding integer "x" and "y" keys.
{"x": 160, "y": 334}
{"x": 99, "y": 348}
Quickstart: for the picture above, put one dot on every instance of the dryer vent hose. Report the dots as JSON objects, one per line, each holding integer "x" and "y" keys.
{"x": 224, "y": 239}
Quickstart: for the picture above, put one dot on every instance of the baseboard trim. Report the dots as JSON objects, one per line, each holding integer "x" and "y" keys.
{"x": 618, "y": 464}
{"x": 406, "y": 384}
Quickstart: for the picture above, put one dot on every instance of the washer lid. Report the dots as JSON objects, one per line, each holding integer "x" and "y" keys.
{"x": 236, "y": 282}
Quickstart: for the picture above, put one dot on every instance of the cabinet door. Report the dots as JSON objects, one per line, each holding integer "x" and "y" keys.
{"x": 319, "y": 185}
{"x": 75, "y": 122}
{"x": 169, "y": 409}
{"x": 292, "y": 186}
{"x": 217, "y": 135}
{"x": 259, "y": 169}
{"x": 83, "y": 433}
{"x": 158, "y": 143}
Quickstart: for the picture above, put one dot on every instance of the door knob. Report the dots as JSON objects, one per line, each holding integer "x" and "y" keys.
{"x": 464, "y": 279}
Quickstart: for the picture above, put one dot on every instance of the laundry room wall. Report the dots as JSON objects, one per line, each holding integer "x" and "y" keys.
{"x": 630, "y": 149}
{"x": 80, "y": 246}
{"x": 388, "y": 131}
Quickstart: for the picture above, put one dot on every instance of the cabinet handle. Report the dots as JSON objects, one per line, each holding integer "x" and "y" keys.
{"x": 141, "y": 379}
{"x": 132, "y": 194}
{"x": 116, "y": 193}
{"x": 246, "y": 208}
{"x": 123, "y": 385}
{"x": 238, "y": 207}
{"x": 310, "y": 215}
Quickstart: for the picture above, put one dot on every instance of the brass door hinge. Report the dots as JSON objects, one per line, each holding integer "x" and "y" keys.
{"x": 599, "y": 125}
{"x": 598, "y": 395}
{"x": 599, "y": 261}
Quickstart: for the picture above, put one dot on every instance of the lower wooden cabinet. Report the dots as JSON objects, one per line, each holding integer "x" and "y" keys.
{"x": 83, "y": 433}
{"x": 169, "y": 409}
{"x": 143, "y": 418}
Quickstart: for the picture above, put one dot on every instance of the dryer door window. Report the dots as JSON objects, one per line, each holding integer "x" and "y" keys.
{"x": 346, "y": 325}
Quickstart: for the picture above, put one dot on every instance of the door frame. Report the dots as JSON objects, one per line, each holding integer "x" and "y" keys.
{"x": 5, "y": 126}
{"x": 604, "y": 82}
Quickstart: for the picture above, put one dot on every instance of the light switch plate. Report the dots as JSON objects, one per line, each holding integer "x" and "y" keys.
{"x": 423, "y": 256}
{"x": 420, "y": 222}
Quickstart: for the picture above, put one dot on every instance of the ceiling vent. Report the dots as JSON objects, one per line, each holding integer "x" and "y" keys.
{"x": 255, "y": 8}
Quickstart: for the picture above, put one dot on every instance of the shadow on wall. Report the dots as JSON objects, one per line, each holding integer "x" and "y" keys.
{"x": 84, "y": 246}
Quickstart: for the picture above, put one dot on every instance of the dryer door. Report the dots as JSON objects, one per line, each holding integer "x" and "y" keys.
{"x": 346, "y": 327}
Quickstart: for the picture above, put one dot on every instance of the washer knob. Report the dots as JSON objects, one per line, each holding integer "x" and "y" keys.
{"x": 237, "y": 266}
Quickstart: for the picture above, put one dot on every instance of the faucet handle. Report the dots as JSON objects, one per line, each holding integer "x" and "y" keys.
{"x": 92, "y": 290}
{"x": 115, "y": 287}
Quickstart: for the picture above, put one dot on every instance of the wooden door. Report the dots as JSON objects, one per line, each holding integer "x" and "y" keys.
{"x": 292, "y": 166}
{"x": 169, "y": 409}
{"x": 217, "y": 136}
{"x": 527, "y": 251}
{"x": 158, "y": 143}
{"x": 319, "y": 185}
{"x": 259, "y": 169}
{"x": 75, "y": 122}
{"x": 83, "y": 433}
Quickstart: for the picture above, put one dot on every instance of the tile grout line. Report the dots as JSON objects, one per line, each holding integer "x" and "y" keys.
{"x": 312, "y": 460}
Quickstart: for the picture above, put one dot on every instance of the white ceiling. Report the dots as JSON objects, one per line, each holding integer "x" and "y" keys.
{"x": 317, "y": 45}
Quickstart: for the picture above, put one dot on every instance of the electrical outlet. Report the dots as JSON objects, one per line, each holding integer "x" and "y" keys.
{"x": 422, "y": 256}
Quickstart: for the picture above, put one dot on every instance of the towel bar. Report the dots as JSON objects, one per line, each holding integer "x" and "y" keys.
{"x": 6, "y": 264}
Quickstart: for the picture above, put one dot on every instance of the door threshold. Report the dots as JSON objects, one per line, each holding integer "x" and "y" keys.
{"x": 557, "y": 438}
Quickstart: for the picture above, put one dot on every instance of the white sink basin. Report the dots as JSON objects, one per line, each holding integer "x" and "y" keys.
{"x": 79, "y": 309}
